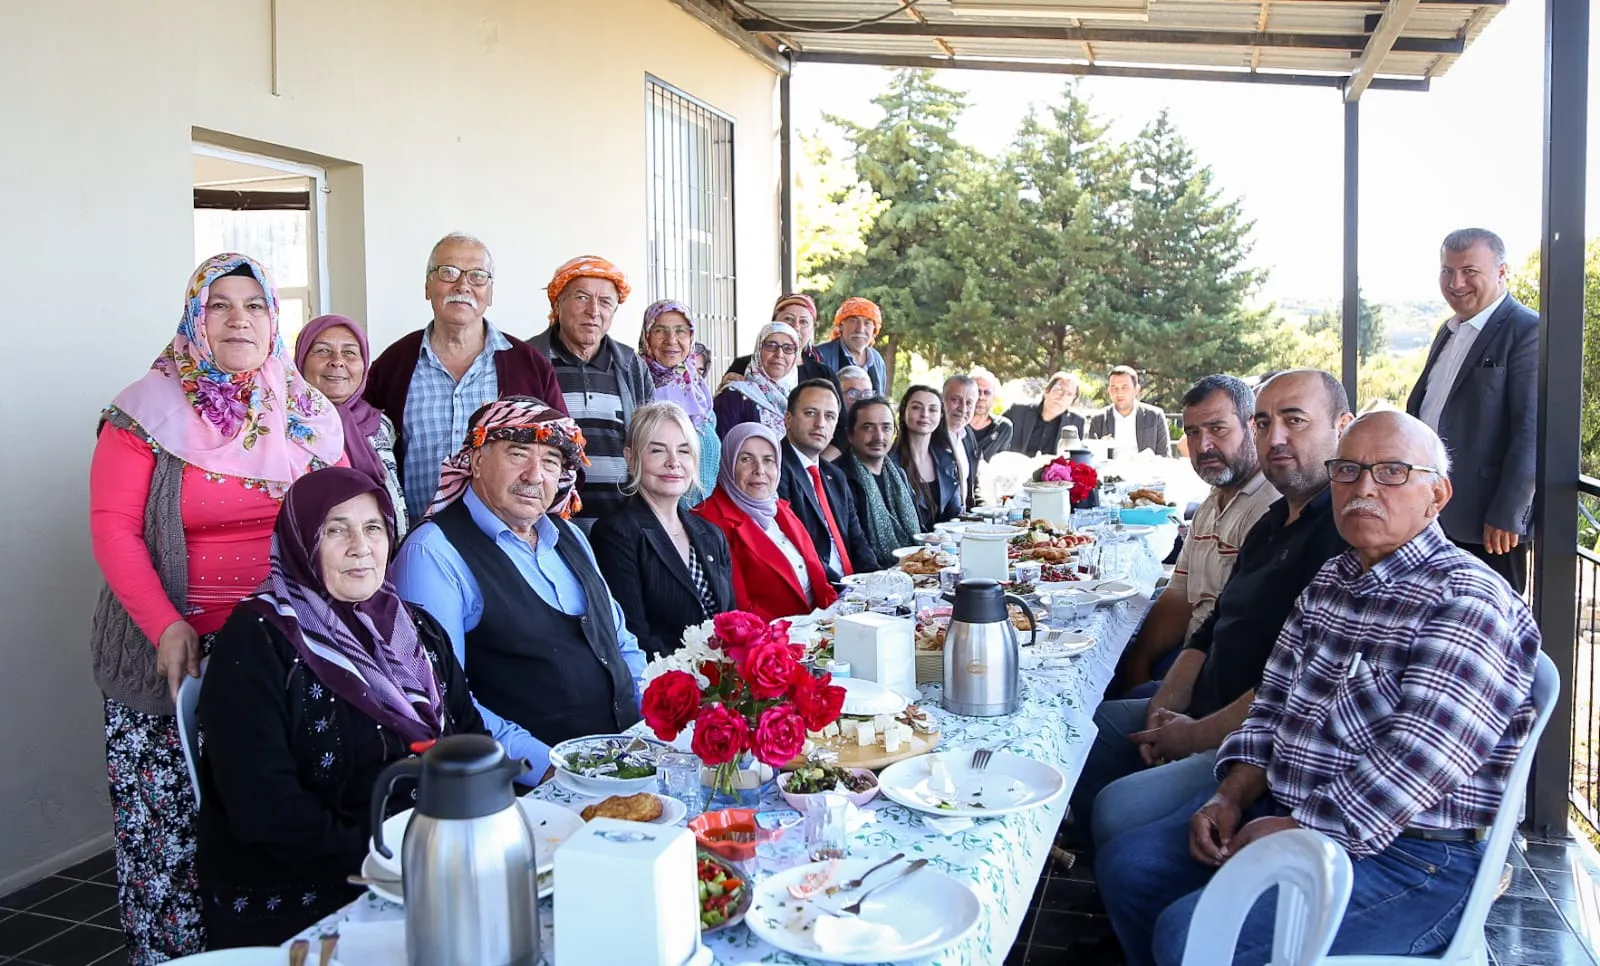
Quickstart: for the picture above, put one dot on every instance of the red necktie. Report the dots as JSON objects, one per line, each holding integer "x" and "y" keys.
{"x": 827, "y": 516}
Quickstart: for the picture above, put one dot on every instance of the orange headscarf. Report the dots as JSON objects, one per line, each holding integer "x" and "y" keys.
{"x": 586, "y": 266}
{"x": 854, "y": 306}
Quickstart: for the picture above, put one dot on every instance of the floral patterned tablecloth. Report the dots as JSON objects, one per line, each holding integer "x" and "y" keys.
{"x": 1001, "y": 858}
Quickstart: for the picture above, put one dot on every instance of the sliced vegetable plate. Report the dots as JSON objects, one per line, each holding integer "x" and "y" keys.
{"x": 946, "y": 784}
{"x": 724, "y": 894}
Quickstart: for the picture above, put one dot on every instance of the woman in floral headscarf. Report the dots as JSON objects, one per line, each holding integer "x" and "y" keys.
{"x": 191, "y": 463}
{"x": 667, "y": 346}
{"x": 761, "y": 395}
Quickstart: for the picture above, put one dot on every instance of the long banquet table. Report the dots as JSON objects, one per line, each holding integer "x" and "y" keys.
{"x": 1001, "y": 858}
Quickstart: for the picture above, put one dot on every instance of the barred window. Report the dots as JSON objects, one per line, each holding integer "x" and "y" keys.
{"x": 690, "y": 213}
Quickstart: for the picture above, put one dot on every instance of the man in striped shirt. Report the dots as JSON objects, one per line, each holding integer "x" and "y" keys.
{"x": 1388, "y": 719}
{"x": 602, "y": 381}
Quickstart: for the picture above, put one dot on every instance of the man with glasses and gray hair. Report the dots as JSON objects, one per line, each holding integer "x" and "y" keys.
{"x": 1388, "y": 718}
{"x": 430, "y": 382}
{"x": 1479, "y": 392}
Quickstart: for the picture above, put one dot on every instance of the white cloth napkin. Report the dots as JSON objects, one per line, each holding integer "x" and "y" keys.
{"x": 849, "y": 934}
{"x": 947, "y": 826}
{"x": 372, "y": 942}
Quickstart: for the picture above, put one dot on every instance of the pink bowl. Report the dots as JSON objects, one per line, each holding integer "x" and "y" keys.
{"x": 856, "y": 798}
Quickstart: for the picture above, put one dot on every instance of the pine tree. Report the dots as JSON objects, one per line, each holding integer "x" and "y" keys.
{"x": 1370, "y": 338}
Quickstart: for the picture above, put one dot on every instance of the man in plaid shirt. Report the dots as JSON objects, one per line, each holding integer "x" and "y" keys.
{"x": 1388, "y": 719}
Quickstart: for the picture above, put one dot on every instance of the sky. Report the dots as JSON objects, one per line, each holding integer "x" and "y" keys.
{"x": 1465, "y": 153}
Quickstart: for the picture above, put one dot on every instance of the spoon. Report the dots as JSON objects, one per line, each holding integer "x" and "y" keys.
{"x": 854, "y": 908}
{"x": 854, "y": 884}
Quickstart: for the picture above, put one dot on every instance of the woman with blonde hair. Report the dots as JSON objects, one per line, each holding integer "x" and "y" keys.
{"x": 666, "y": 567}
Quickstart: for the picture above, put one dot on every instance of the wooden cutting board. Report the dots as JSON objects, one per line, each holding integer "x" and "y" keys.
{"x": 852, "y": 755}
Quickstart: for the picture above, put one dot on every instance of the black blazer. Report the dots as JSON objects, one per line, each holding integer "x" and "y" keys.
{"x": 1490, "y": 423}
{"x": 943, "y": 501}
{"x": 969, "y": 442}
{"x": 650, "y": 580}
{"x": 794, "y": 485}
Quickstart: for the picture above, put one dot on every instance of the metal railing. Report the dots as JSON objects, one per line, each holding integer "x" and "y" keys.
{"x": 1584, "y": 776}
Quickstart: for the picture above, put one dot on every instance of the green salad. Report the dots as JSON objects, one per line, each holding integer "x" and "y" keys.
{"x": 814, "y": 779}
{"x": 611, "y": 761}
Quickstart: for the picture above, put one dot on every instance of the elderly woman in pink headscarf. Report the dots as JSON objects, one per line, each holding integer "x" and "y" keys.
{"x": 667, "y": 347}
{"x": 188, "y": 472}
{"x": 331, "y": 352}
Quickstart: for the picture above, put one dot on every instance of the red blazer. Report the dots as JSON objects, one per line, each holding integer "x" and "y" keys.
{"x": 520, "y": 370}
{"x": 763, "y": 581}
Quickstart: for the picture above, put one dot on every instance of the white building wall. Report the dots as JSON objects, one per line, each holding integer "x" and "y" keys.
{"x": 521, "y": 121}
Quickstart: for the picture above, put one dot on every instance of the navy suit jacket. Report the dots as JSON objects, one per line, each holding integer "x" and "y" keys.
{"x": 1490, "y": 424}
{"x": 794, "y": 485}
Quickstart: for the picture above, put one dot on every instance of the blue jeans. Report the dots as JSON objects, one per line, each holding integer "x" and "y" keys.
{"x": 1111, "y": 756}
{"x": 1150, "y": 795}
{"x": 1406, "y": 900}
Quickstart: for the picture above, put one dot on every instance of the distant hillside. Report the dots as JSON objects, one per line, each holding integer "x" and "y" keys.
{"x": 1407, "y": 325}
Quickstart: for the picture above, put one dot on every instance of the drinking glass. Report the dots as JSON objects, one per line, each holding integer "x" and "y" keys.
{"x": 1029, "y": 572}
{"x": 852, "y": 604}
{"x": 827, "y": 827}
{"x": 679, "y": 776}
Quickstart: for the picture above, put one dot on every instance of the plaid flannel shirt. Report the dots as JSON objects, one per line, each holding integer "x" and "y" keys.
{"x": 437, "y": 410}
{"x": 1394, "y": 698}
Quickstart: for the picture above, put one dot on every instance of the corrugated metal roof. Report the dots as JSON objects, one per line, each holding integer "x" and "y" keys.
{"x": 1324, "y": 38}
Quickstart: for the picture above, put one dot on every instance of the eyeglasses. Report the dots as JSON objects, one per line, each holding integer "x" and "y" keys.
{"x": 674, "y": 332}
{"x": 781, "y": 348}
{"x": 1387, "y": 473}
{"x": 450, "y": 274}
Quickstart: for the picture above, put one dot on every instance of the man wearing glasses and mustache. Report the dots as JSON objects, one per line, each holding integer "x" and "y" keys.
{"x": 430, "y": 382}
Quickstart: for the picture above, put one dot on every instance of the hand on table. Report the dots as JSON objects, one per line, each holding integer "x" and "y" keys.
{"x": 1496, "y": 540}
{"x": 177, "y": 654}
{"x": 1168, "y": 736}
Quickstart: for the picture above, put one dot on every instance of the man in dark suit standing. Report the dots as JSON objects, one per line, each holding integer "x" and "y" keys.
{"x": 817, "y": 491}
{"x": 1479, "y": 391}
{"x": 1133, "y": 426}
{"x": 960, "y": 402}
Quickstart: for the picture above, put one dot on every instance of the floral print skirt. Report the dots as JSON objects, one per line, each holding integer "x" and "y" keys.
{"x": 153, "y": 810}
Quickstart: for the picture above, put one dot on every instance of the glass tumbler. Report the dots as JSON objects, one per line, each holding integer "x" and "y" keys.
{"x": 827, "y": 827}
{"x": 678, "y": 774}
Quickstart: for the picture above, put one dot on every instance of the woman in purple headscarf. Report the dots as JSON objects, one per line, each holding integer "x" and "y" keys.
{"x": 315, "y": 684}
{"x": 667, "y": 346}
{"x": 776, "y": 571}
{"x": 331, "y": 352}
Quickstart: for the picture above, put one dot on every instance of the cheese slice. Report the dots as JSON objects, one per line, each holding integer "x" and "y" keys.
{"x": 865, "y": 736}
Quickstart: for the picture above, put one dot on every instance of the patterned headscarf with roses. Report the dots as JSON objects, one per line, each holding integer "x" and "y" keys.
{"x": 517, "y": 419}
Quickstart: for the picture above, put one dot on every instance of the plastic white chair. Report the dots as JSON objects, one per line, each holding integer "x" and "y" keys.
{"x": 189, "y": 728}
{"x": 1313, "y": 877}
{"x": 1468, "y": 947}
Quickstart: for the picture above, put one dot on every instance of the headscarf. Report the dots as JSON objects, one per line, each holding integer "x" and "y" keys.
{"x": 761, "y": 511}
{"x": 585, "y": 266}
{"x": 795, "y": 298}
{"x": 359, "y": 417}
{"x": 681, "y": 383}
{"x": 266, "y": 426}
{"x": 892, "y": 523}
{"x": 517, "y": 419}
{"x": 856, "y": 305}
{"x": 366, "y": 652}
{"x": 769, "y": 394}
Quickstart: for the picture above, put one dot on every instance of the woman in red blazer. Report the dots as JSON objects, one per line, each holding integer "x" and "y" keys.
{"x": 776, "y": 572}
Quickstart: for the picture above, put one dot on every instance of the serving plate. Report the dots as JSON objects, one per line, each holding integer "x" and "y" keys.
{"x": 1010, "y": 783}
{"x": 551, "y": 826}
{"x": 601, "y": 786}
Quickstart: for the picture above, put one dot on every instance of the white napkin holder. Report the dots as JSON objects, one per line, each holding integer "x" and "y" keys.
{"x": 1052, "y": 503}
{"x": 879, "y": 648}
{"x": 984, "y": 558}
{"x": 646, "y": 870}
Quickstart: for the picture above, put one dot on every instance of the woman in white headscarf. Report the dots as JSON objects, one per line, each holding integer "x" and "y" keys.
{"x": 760, "y": 396}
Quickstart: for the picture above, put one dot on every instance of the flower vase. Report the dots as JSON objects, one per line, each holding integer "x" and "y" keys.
{"x": 740, "y": 783}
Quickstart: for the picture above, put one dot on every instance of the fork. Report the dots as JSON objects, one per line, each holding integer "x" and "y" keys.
{"x": 855, "y": 884}
{"x": 980, "y": 758}
{"x": 854, "y": 908}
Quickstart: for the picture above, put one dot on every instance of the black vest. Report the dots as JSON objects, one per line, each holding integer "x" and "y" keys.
{"x": 556, "y": 675}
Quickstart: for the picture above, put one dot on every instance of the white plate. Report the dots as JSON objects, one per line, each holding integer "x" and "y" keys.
{"x": 1079, "y": 597}
{"x": 250, "y": 956}
{"x": 931, "y": 909}
{"x": 370, "y": 870}
{"x": 672, "y": 810}
{"x": 551, "y": 823}
{"x": 1011, "y": 783}
{"x": 991, "y": 531}
{"x": 901, "y": 553}
{"x": 1135, "y": 529}
{"x": 1113, "y": 590}
{"x": 1058, "y": 645}
{"x": 869, "y": 697}
{"x": 600, "y": 786}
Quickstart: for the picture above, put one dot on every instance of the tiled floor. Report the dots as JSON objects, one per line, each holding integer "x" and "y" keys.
{"x": 1549, "y": 915}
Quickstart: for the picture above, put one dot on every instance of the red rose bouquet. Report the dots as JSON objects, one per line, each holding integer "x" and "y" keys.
{"x": 740, "y": 682}
{"x": 1082, "y": 476}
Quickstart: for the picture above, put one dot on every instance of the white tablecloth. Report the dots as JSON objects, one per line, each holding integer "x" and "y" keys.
{"x": 1001, "y": 858}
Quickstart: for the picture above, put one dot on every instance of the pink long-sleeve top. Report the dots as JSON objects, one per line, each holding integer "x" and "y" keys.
{"x": 227, "y": 529}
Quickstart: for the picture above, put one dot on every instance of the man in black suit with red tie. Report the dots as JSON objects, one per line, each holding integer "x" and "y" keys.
{"x": 817, "y": 491}
{"x": 1479, "y": 391}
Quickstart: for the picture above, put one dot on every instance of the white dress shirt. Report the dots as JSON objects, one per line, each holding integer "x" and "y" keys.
{"x": 1125, "y": 432}
{"x": 833, "y": 550}
{"x": 791, "y": 553}
{"x": 1445, "y": 368}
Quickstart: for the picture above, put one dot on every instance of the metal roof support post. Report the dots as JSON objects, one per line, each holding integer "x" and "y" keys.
{"x": 1561, "y": 282}
{"x": 786, "y": 240}
{"x": 1349, "y": 332}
